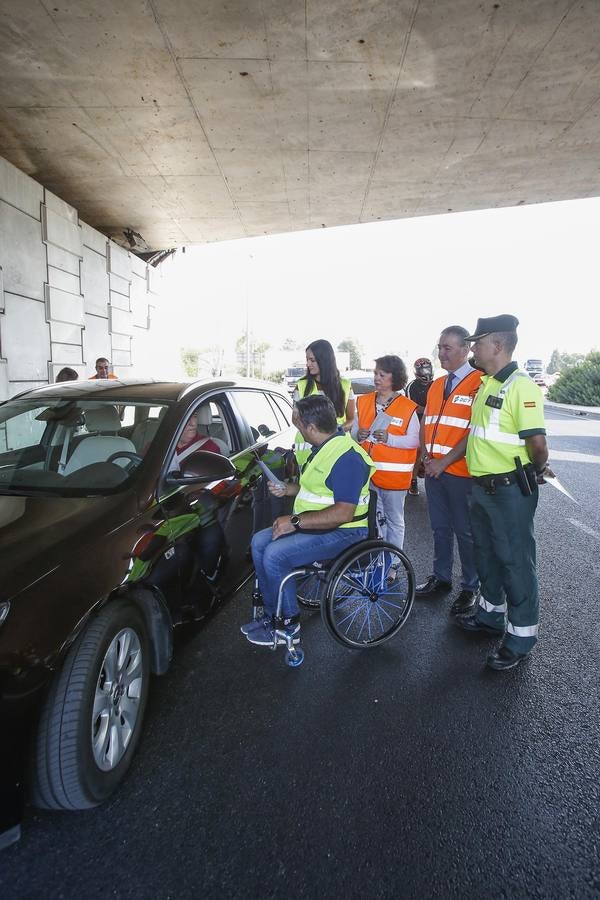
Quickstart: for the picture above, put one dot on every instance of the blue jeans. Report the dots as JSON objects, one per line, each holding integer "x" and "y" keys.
{"x": 273, "y": 560}
{"x": 448, "y": 502}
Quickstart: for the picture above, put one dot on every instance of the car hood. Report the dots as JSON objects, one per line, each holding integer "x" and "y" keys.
{"x": 38, "y": 533}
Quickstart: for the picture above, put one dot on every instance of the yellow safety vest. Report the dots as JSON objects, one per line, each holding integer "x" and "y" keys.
{"x": 314, "y": 493}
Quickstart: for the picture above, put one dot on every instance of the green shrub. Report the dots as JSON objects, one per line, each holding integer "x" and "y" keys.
{"x": 579, "y": 385}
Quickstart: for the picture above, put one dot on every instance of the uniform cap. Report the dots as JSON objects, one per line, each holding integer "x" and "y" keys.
{"x": 493, "y": 324}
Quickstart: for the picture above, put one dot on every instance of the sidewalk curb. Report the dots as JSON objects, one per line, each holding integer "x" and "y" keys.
{"x": 584, "y": 412}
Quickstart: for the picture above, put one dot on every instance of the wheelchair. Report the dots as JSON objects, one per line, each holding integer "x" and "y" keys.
{"x": 365, "y": 594}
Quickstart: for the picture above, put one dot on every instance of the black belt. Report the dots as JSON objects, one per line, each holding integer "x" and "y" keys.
{"x": 491, "y": 482}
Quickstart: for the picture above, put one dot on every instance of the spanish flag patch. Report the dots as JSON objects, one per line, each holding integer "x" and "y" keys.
{"x": 529, "y": 403}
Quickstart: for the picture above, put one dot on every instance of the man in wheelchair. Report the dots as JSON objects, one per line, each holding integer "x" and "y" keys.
{"x": 330, "y": 514}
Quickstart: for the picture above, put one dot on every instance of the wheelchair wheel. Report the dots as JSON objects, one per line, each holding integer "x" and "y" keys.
{"x": 369, "y": 594}
{"x": 310, "y": 590}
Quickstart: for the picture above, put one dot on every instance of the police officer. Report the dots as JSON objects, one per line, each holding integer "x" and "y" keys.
{"x": 506, "y": 456}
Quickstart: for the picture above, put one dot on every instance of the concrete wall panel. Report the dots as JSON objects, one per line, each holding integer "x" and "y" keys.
{"x": 22, "y": 254}
{"x": 60, "y": 259}
{"x": 120, "y": 302}
{"x": 96, "y": 341}
{"x": 61, "y": 232}
{"x": 94, "y": 283}
{"x": 139, "y": 302}
{"x": 61, "y": 208}
{"x": 121, "y": 358}
{"x": 64, "y": 281}
{"x": 19, "y": 190}
{"x": 119, "y": 286}
{"x": 118, "y": 261}
{"x": 121, "y": 342}
{"x": 66, "y": 354}
{"x": 57, "y": 279}
{"x": 27, "y": 358}
{"x": 65, "y": 333}
{"x": 93, "y": 239}
{"x": 120, "y": 321}
{"x": 64, "y": 307}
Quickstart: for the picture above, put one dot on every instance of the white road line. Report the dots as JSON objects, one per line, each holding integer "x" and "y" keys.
{"x": 573, "y": 456}
{"x": 585, "y": 528}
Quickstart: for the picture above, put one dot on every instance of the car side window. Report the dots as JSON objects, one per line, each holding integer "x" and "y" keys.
{"x": 258, "y": 413}
{"x": 205, "y": 427}
{"x": 284, "y": 409}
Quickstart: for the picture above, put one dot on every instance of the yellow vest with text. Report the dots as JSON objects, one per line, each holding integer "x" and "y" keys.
{"x": 314, "y": 493}
{"x": 494, "y": 440}
{"x": 301, "y": 448}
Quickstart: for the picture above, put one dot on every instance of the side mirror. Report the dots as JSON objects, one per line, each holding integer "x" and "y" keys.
{"x": 202, "y": 467}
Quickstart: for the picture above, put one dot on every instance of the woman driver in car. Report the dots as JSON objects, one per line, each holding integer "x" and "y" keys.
{"x": 191, "y": 439}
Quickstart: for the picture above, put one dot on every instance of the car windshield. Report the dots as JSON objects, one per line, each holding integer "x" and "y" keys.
{"x": 73, "y": 447}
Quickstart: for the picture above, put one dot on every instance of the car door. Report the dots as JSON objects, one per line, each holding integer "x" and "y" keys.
{"x": 210, "y": 524}
{"x": 265, "y": 423}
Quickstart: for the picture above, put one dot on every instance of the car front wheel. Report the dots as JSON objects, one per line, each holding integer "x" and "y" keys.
{"x": 92, "y": 718}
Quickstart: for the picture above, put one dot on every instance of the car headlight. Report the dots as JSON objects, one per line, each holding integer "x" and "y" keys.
{"x": 4, "y": 608}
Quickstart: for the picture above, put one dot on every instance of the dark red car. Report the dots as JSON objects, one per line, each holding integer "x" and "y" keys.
{"x": 110, "y": 537}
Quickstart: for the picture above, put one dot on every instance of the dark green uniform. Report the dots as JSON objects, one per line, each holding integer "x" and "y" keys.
{"x": 508, "y": 408}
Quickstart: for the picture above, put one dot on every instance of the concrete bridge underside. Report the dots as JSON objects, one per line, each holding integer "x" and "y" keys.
{"x": 202, "y": 120}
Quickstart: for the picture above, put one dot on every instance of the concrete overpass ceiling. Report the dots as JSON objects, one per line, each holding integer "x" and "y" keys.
{"x": 202, "y": 120}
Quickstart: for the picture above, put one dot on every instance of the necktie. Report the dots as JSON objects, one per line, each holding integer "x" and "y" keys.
{"x": 448, "y": 385}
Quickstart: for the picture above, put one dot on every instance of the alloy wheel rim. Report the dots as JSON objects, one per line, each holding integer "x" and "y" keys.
{"x": 117, "y": 699}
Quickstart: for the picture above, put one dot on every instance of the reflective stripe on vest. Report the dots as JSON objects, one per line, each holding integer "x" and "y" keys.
{"x": 491, "y": 431}
{"x": 453, "y": 421}
{"x": 442, "y": 432}
{"x": 393, "y": 465}
{"x": 326, "y": 500}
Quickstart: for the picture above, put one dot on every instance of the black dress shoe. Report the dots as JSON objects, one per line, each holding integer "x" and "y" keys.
{"x": 464, "y": 603}
{"x": 470, "y": 623}
{"x": 433, "y": 585}
{"x": 503, "y": 658}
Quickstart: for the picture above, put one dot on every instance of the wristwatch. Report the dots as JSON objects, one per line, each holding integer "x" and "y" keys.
{"x": 295, "y": 520}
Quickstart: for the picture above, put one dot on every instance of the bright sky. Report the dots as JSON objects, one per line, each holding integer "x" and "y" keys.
{"x": 392, "y": 286}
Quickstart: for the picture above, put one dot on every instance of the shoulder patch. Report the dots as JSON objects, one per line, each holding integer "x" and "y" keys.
{"x": 529, "y": 403}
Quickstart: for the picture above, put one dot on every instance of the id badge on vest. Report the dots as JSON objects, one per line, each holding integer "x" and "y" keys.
{"x": 463, "y": 400}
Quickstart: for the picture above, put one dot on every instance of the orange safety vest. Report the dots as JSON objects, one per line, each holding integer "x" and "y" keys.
{"x": 393, "y": 465}
{"x": 447, "y": 421}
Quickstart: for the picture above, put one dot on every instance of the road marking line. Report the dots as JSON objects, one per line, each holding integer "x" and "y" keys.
{"x": 585, "y": 528}
{"x": 574, "y": 456}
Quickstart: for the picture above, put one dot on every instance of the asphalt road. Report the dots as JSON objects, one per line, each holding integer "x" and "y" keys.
{"x": 404, "y": 771}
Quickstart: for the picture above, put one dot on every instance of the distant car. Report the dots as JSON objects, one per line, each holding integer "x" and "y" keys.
{"x": 540, "y": 379}
{"x": 363, "y": 384}
{"x": 108, "y": 542}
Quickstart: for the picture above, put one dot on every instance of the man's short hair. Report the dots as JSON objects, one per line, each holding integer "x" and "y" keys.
{"x": 102, "y": 359}
{"x": 319, "y": 411}
{"x": 507, "y": 339}
{"x": 459, "y": 331}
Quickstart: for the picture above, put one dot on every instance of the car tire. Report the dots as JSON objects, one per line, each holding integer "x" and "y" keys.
{"x": 92, "y": 719}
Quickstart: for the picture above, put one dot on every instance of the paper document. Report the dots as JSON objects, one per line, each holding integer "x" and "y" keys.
{"x": 272, "y": 478}
{"x": 559, "y": 487}
{"x": 380, "y": 423}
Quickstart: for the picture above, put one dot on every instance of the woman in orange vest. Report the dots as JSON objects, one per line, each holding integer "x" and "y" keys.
{"x": 388, "y": 429}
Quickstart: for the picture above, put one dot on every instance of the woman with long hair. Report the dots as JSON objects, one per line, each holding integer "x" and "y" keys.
{"x": 387, "y": 427}
{"x": 322, "y": 377}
